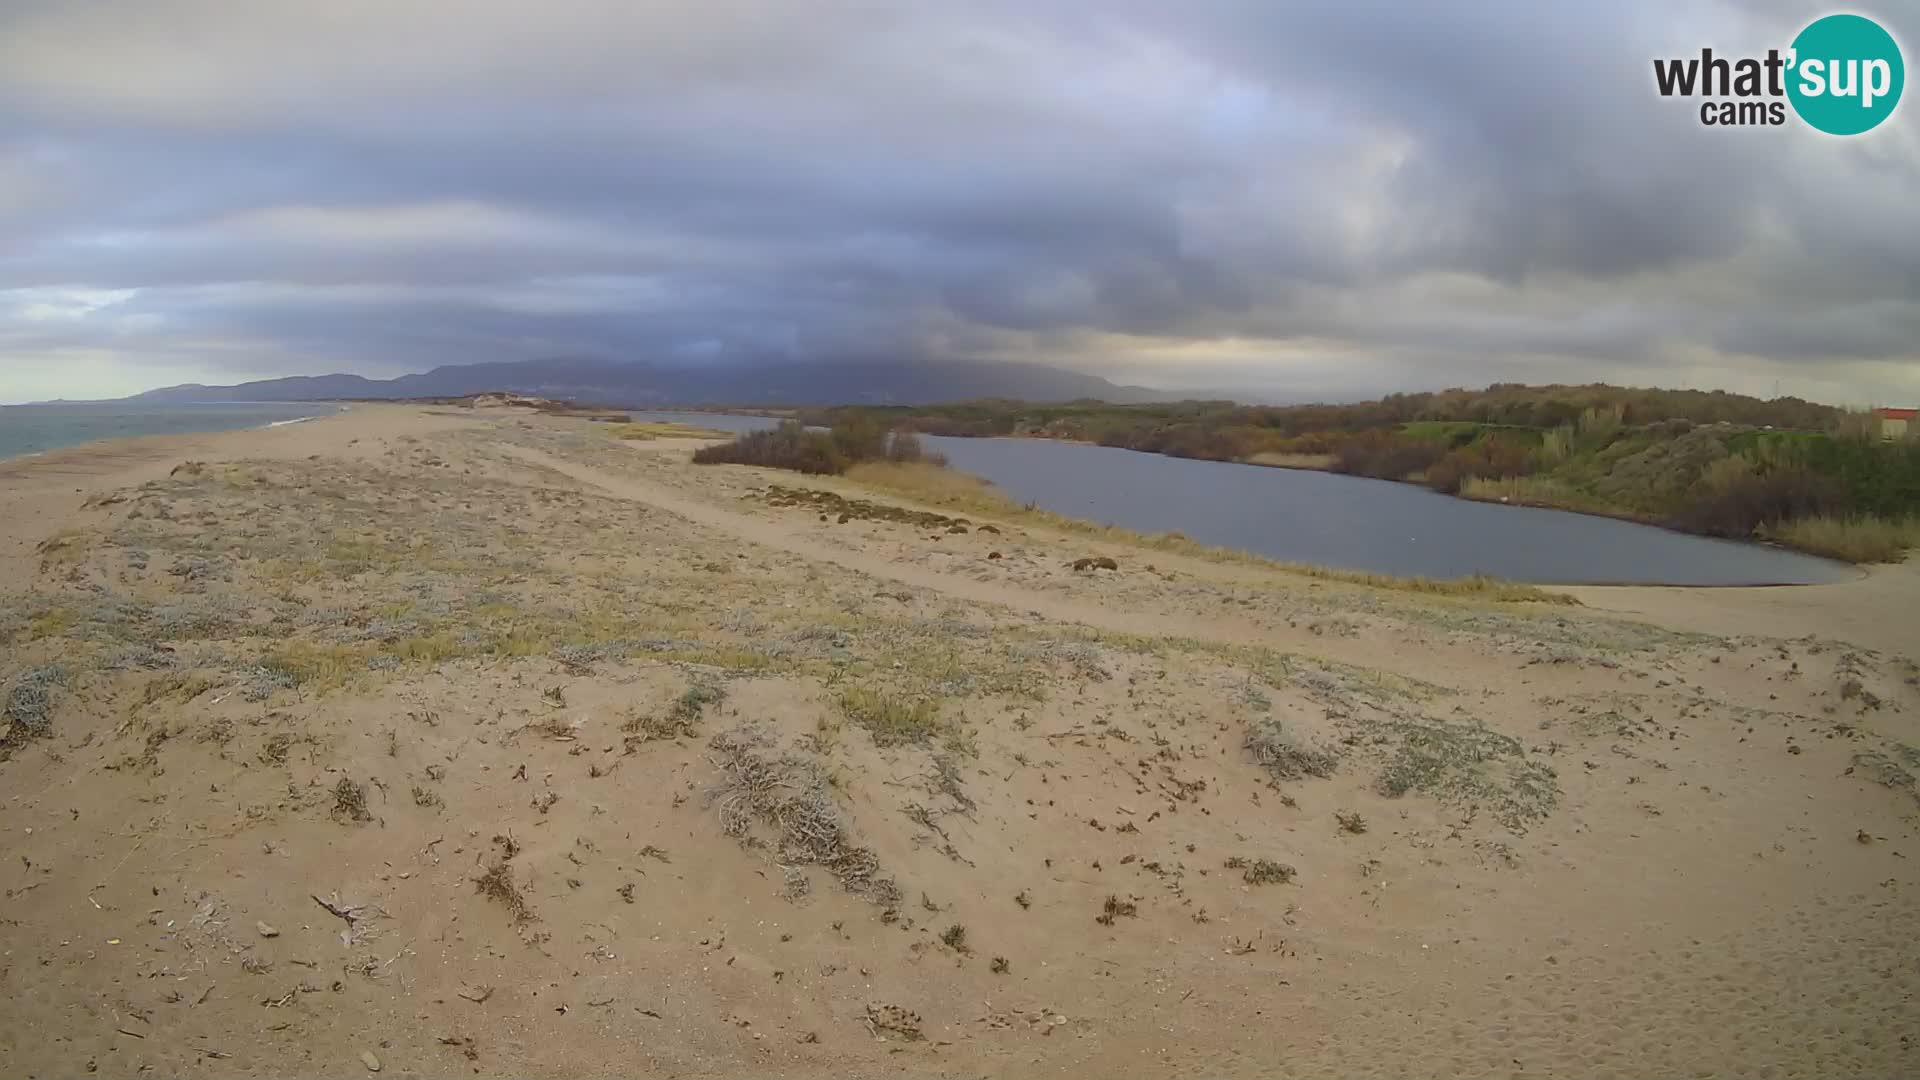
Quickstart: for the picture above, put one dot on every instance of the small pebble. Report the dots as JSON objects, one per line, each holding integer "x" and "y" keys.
{"x": 266, "y": 930}
{"x": 372, "y": 1063}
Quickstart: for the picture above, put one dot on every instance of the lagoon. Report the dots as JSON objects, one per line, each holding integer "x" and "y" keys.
{"x": 1350, "y": 522}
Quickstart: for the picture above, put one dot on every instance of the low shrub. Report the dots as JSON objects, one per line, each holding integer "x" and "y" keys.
{"x": 1276, "y": 749}
{"x": 797, "y": 448}
{"x": 904, "y": 448}
{"x": 859, "y": 437}
{"x": 789, "y": 446}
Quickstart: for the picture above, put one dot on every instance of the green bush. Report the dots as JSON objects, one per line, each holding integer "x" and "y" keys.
{"x": 789, "y": 446}
{"x": 1734, "y": 497}
{"x": 1877, "y": 477}
{"x": 904, "y": 449}
{"x": 859, "y": 437}
{"x": 794, "y": 446}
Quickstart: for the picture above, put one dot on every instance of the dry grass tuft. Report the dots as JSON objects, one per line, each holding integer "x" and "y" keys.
{"x": 895, "y": 1019}
{"x": 1288, "y": 758}
{"x": 955, "y": 937}
{"x": 1116, "y": 908}
{"x": 646, "y": 727}
{"x": 681, "y": 720}
{"x": 65, "y": 546}
{"x": 792, "y": 796}
{"x": 891, "y": 721}
{"x": 1261, "y": 871}
{"x": 178, "y": 686}
{"x": 350, "y": 801}
{"x": 497, "y": 884}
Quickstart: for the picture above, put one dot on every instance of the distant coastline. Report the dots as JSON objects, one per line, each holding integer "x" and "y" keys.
{"x": 33, "y": 430}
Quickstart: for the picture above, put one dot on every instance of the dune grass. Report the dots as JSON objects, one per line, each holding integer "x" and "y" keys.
{"x": 935, "y": 486}
{"x": 1533, "y": 491}
{"x": 951, "y": 489}
{"x": 1855, "y": 539}
{"x": 1280, "y": 460}
{"x": 649, "y": 430}
{"x": 319, "y": 666}
{"x": 891, "y": 720}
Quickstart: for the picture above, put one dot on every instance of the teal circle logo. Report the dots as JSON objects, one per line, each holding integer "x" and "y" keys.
{"x": 1845, "y": 75}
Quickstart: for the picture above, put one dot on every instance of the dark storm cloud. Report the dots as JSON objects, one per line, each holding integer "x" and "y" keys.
{"x": 1177, "y": 192}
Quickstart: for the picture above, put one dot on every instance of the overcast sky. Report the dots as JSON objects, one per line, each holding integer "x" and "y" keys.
{"x": 1322, "y": 200}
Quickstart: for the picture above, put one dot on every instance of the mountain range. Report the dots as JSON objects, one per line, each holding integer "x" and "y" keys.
{"x": 639, "y": 385}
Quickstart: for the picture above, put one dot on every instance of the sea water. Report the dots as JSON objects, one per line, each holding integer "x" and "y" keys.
{"x": 35, "y": 429}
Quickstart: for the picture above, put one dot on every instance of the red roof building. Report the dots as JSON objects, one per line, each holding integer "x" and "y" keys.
{"x": 1897, "y": 423}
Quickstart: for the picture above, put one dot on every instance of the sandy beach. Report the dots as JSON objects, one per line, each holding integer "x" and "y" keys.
{"x": 434, "y": 740}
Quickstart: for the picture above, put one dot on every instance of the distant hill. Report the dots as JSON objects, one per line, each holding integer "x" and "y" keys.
{"x": 641, "y": 385}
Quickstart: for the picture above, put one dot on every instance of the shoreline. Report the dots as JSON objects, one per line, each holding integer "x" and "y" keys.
{"x": 1623, "y": 515}
{"x": 1855, "y": 569}
{"x": 295, "y": 420}
{"x": 1165, "y": 541}
{"x": 337, "y": 407}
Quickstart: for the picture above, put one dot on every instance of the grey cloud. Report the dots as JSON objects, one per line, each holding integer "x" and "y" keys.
{"x": 1484, "y": 190}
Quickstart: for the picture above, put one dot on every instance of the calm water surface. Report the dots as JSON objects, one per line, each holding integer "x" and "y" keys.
{"x": 34, "y": 429}
{"x": 1351, "y": 522}
{"x": 1362, "y": 524}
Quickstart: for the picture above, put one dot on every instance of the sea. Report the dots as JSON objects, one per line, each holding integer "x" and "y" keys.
{"x": 35, "y": 429}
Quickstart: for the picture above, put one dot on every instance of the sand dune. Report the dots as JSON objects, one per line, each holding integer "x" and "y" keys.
{"x": 480, "y": 743}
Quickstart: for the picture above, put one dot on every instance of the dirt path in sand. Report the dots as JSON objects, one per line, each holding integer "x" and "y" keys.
{"x": 1881, "y": 610}
{"x": 1222, "y": 628}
